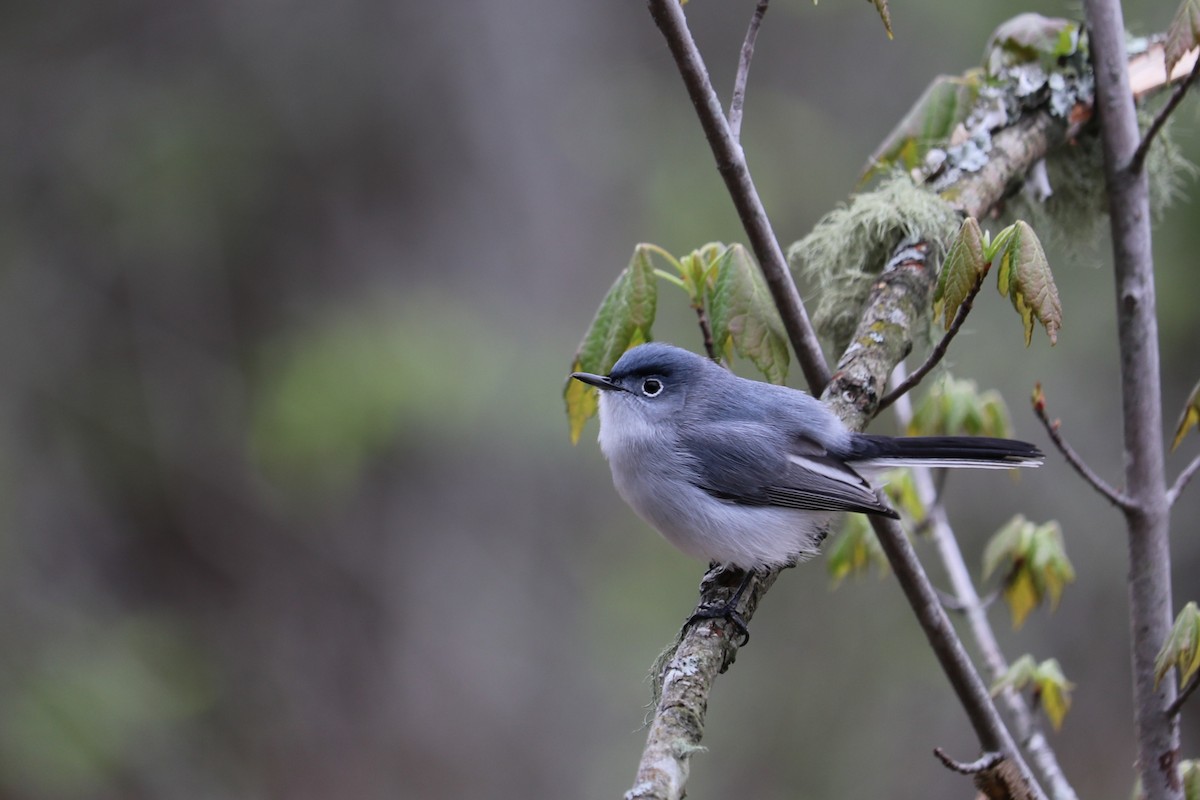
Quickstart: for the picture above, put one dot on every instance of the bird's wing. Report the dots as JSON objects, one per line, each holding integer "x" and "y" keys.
{"x": 746, "y": 463}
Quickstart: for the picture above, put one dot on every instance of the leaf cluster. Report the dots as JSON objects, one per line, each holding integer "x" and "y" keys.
{"x": 1051, "y": 689}
{"x": 953, "y": 406}
{"x": 1033, "y": 564}
{"x": 725, "y": 287}
{"x": 1182, "y": 647}
{"x": 1022, "y": 275}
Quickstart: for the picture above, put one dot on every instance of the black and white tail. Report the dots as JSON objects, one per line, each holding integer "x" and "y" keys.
{"x": 980, "y": 452}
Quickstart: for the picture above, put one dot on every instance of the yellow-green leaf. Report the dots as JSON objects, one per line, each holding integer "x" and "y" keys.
{"x": 742, "y": 312}
{"x": 1182, "y": 647}
{"x": 1019, "y": 674}
{"x": 1053, "y": 691}
{"x": 1183, "y": 34}
{"x": 1189, "y": 773}
{"x": 622, "y": 321}
{"x": 962, "y": 271}
{"x": 954, "y": 407}
{"x": 855, "y": 550}
{"x": 1021, "y": 594}
{"x": 1190, "y": 417}
{"x": 1023, "y": 275}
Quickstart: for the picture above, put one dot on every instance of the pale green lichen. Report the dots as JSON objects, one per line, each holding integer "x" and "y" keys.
{"x": 850, "y": 246}
{"x": 1070, "y": 218}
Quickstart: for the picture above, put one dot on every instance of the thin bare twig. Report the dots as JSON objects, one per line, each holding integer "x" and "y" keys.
{"x": 1186, "y": 692}
{"x": 743, "y": 71}
{"x": 706, "y": 330}
{"x": 986, "y": 761}
{"x": 669, "y": 16}
{"x": 929, "y": 485}
{"x": 1160, "y": 119}
{"x": 1188, "y": 472}
{"x": 1113, "y": 496}
{"x": 936, "y": 355}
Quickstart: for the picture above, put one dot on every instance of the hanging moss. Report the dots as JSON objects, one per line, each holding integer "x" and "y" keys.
{"x": 849, "y": 247}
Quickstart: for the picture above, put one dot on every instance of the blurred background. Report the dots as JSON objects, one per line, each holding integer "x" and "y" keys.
{"x": 288, "y": 509}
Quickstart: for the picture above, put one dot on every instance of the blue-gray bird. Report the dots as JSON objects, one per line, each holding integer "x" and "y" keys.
{"x": 746, "y": 473}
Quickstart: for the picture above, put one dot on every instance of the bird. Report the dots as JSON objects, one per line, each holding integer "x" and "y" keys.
{"x": 747, "y": 474}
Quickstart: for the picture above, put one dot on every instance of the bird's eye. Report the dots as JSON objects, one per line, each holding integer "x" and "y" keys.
{"x": 652, "y": 387}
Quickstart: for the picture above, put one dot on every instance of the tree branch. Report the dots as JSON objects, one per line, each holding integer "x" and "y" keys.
{"x": 967, "y": 598}
{"x": 1177, "y": 706}
{"x": 1184, "y": 477}
{"x": 731, "y": 163}
{"x": 1073, "y": 458}
{"x": 936, "y": 355}
{"x": 1160, "y": 119}
{"x": 1147, "y": 514}
{"x": 743, "y": 71}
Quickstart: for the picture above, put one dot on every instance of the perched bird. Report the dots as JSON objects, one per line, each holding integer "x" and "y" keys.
{"x": 745, "y": 473}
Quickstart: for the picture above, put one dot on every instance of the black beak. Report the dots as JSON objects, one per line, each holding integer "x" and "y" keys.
{"x": 599, "y": 381}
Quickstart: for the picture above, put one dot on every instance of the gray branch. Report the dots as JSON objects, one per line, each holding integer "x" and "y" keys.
{"x": 1147, "y": 516}
{"x": 974, "y": 608}
{"x": 1184, "y": 478}
{"x": 731, "y": 164}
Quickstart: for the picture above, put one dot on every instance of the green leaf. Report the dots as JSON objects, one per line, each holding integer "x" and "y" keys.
{"x": 1190, "y": 417}
{"x": 1183, "y": 34}
{"x": 1051, "y": 689}
{"x": 1182, "y": 647}
{"x": 1189, "y": 773}
{"x": 1019, "y": 674}
{"x": 1034, "y": 564}
{"x": 954, "y": 407}
{"x": 1024, "y": 277}
{"x": 901, "y": 491}
{"x": 962, "y": 271}
{"x": 742, "y": 313}
{"x": 855, "y": 550}
{"x": 622, "y": 321}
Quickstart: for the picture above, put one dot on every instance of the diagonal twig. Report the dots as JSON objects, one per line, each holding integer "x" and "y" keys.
{"x": 1184, "y": 693}
{"x": 743, "y": 71}
{"x": 731, "y": 163}
{"x": 1041, "y": 754}
{"x": 1184, "y": 477}
{"x": 936, "y": 355}
{"x": 1073, "y": 458}
{"x": 1139, "y": 156}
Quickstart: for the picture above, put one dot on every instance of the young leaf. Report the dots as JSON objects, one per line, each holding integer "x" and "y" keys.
{"x": 1184, "y": 33}
{"x": 741, "y": 312}
{"x": 1024, "y": 276}
{"x": 855, "y": 550}
{"x": 1051, "y": 689}
{"x": 622, "y": 321}
{"x": 955, "y": 407}
{"x": 1035, "y": 565}
{"x": 962, "y": 270}
{"x": 1190, "y": 417}
{"x": 1189, "y": 773}
{"x": 1182, "y": 647}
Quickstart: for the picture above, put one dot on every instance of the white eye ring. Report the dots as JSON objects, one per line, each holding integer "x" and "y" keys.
{"x": 652, "y": 387}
